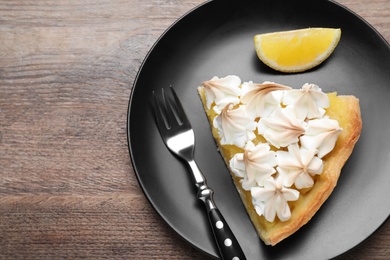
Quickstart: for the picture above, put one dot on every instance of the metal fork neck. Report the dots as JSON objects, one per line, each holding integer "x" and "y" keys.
{"x": 204, "y": 192}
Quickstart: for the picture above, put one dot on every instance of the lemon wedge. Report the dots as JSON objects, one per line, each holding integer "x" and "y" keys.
{"x": 296, "y": 50}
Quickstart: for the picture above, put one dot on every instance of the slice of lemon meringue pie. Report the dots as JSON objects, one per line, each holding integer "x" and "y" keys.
{"x": 284, "y": 147}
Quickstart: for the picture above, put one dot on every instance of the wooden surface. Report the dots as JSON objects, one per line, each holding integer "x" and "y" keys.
{"x": 67, "y": 187}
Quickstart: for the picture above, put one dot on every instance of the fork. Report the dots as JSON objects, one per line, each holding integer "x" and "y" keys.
{"x": 178, "y": 135}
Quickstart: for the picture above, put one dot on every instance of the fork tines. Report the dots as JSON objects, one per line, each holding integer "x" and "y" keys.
{"x": 168, "y": 109}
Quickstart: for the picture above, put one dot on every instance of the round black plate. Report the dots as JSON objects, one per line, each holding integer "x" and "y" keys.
{"x": 216, "y": 39}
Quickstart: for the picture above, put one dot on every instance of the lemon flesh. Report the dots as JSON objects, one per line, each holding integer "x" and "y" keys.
{"x": 296, "y": 50}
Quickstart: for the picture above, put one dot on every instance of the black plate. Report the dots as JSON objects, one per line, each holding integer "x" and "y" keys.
{"x": 216, "y": 39}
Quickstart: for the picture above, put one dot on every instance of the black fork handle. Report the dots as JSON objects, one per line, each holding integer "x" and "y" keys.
{"x": 228, "y": 246}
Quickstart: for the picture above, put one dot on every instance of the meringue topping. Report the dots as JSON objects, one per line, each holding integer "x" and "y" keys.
{"x": 271, "y": 199}
{"x": 297, "y": 166}
{"x": 282, "y": 127}
{"x": 235, "y": 126}
{"x": 262, "y": 99}
{"x": 321, "y": 134}
{"x": 254, "y": 165}
{"x": 222, "y": 91}
{"x": 297, "y": 131}
{"x": 309, "y": 101}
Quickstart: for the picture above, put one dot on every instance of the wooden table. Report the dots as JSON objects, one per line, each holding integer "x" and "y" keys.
{"x": 67, "y": 187}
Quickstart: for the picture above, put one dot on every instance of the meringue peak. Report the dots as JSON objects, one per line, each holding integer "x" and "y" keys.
{"x": 262, "y": 99}
{"x": 222, "y": 91}
{"x": 235, "y": 126}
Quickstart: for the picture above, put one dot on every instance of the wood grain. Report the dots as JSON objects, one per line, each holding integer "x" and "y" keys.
{"x": 67, "y": 187}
